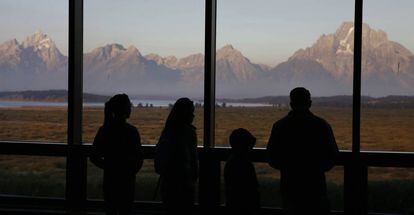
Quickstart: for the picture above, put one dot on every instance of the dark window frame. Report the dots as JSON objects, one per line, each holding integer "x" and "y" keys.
{"x": 355, "y": 161}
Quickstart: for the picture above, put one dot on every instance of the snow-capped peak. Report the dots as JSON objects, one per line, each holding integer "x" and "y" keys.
{"x": 344, "y": 45}
{"x": 38, "y": 41}
{"x": 44, "y": 44}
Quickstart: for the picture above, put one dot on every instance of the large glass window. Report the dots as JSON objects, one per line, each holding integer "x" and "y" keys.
{"x": 387, "y": 112}
{"x": 264, "y": 51}
{"x": 270, "y": 193}
{"x": 150, "y": 50}
{"x": 146, "y": 183}
{"x": 33, "y": 93}
{"x": 33, "y": 70}
{"x": 267, "y": 49}
{"x": 153, "y": 51}
{"x": 32, "y": 176}
{"x": 387, "y": 76}
{"x": 390, "y": 190}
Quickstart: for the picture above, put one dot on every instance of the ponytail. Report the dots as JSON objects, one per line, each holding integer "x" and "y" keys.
{"x": 118, "y": 107}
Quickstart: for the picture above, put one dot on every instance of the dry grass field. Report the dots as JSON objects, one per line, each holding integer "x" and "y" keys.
{"x": 381, "y": 129}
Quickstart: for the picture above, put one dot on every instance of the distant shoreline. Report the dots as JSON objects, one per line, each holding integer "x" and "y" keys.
{"x": 59, "y": 98}
{"x": 47, "y": 96}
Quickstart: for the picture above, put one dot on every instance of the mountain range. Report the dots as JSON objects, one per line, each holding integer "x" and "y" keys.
{"x": 325, "y": 68}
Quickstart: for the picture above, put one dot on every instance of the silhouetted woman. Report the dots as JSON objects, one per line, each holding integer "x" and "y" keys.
{"x": 117, "y": 150}
{"x": 176, "y": 159}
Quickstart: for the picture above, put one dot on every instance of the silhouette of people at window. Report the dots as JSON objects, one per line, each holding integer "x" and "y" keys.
{"x": 117, "y": 150}
{"x": 242, "y": 195}
{"x": 302, "y": 146}
{"x": 176, "y": 158}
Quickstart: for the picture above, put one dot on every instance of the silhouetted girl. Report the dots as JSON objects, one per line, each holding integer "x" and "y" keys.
{"x": 117, "y": 150}
{"x": 176, "y": 159}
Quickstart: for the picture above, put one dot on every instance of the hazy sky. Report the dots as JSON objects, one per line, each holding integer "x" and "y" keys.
{"x": 266, "y": 31}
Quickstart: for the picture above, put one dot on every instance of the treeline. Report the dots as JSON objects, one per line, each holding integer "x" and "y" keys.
{"x": 334, "y": 101}
{"x": 277, "y": 101}
{"x": 47, "y": 96}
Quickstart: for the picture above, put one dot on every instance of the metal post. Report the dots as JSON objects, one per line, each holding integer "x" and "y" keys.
{"x": 355, "y": 189}
{"x": 209, "y": 183}
{"x": 76, "y": 162}
{"x": 210, "y": 73}
{"x": 356, "y": 112}
{"x": 356, "y": 172}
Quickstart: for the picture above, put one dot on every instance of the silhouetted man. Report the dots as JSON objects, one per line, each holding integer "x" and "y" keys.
{"x": 302, "y": 146}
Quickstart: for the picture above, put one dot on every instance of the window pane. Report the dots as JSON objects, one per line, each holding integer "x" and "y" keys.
{"x": 33, "y": 70}
{"x": 269, "y": 186}
{"x": 150, "y": 50}
{"x": 145, "y": 183}
{"x": 270, "y": 194}
{"x": 32, "y": 176}
{"x": 267, "y": 49}
{"x": 387, "y": 76}
{"x": 335, "y": 185}
{"x": 390, "y": 190}
{"x": 268, "y": 181}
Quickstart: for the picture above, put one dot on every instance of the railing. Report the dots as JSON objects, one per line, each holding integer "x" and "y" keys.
{"x": 355, "y": 170}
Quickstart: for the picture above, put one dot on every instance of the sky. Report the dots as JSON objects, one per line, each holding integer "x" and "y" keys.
{"x": 266, "y": 31}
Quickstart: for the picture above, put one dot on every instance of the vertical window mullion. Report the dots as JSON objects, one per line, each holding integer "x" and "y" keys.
{"x": 210, "y": 73}
{"x": 75, "y": 72}
{"x": 76, "y": 161}
{"x": 356, "y": 173}
{"x": 356, "y": 112}
{"x": 209, "y": 177}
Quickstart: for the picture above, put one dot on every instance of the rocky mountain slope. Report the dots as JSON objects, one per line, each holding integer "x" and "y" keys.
{"x": 326, "y": 67}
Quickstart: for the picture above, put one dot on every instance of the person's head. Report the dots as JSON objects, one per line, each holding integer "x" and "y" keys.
{"x": 241, "y": 141}
{"x": 118, "y": 107}
{"x": 300, "y": 99}
{"x": 181, "y": 113}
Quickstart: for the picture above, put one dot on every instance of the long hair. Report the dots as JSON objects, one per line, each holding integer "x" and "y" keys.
{"x": 181, "y": 114}
{"x": 117, "y": 107}
{"x": 107, "y": 114}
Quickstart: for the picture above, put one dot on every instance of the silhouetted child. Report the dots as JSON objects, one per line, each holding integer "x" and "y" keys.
{"x": 242, "y": 195}
{"x": 117, "y": 150}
